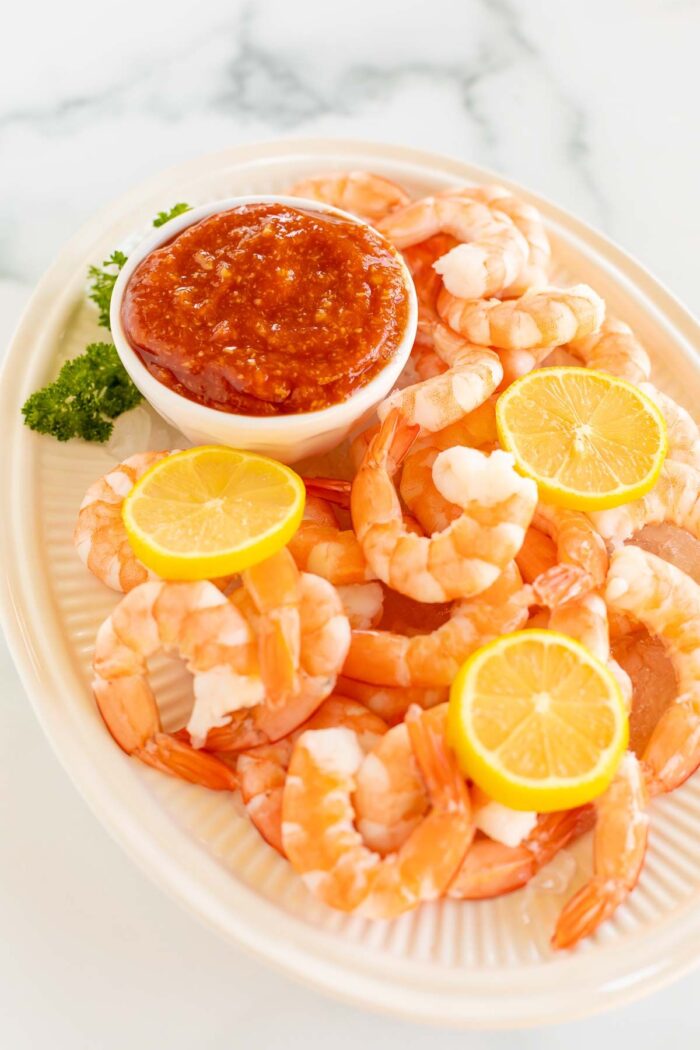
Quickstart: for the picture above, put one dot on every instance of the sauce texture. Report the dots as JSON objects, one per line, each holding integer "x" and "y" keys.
{"x": 267, "y": 309}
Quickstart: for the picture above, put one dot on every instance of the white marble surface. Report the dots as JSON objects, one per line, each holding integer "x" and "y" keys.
{"x": 594, "y": 104}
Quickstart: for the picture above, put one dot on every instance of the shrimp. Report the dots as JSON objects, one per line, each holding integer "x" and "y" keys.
{"x": 614, "y": 349}
{"x": 491, "y": 868}
{"x": 218, "y": 644}
{"x": 472, "y": 551}
{"x": 529, "y": 221}
{"x": 320, "y": 839}
{"x": 274, "y": 586}
{"x": 262, "y": 771}
{"x": 537, "y": 555}
{"x": 100, "y": 537}
{"x": 547, "y": 317}
{"x": 322, "y": 547}
{"x": 619, "y": 844}
{"x": 472, "y": 376}
{"x": 432, "y": 660}
{"x": 369, "y": 196}
{"x": 420, "y": 259}
{"x": 390, "y": 702}
{"x": 675, "y": 499}
{"x": 582, "y": 558}
{"x": 682, "y": 430}
{"x": 667, "y": 602}
{"x": 586, "y": 620}
{"x": 420, "y": 494}
{"x": 493, "y": 256}
{"x": 363, "y": 603}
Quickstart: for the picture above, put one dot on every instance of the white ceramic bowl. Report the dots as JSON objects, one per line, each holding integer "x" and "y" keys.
{"x": 480, "y": 963}
{"x": 288, "y": 438}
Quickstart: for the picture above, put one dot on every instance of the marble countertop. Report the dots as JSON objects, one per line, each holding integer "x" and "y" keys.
{"x": 594, "y": 105}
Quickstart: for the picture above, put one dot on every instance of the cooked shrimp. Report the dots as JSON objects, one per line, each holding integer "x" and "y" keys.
{"x": 390, "y": 702}
{"x": 529, "y": 221}
{"x": 465, "y": 558}
{"x": 322, "y": 547}
{"x": 675, "y": 498}
{"x": 547, "y": 317}
{"x": 420, "y": 259}
{"x": 197, "y": 621}
{"x": 492, "y": 257}
{"x": 420, "y": 493}
{"x": 615, "y": 349}
{"x": 472, "y": 376}
{"x": 100, "y": 537}
{"x": 262, "y": 771}
{"x": 667, "y": 602}
{"x": 363, "y": 603}
{"x": 537, "y": 555}
{"x": 620, "y": 842}
{"x": 490, "y": 868}
{"x": 586, "y": 620}
{"x": 683, "y": 432}
{"x": 362, "y": 193}
{"x": 274, "y": 585}
{"x": 430, "y": 660}
{"x": 582, "y": 558}
{"x": 320, "y": 839}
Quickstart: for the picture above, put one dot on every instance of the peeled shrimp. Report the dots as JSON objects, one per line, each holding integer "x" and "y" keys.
{"x": 675, "y": 498}
{"x": 100, "y": 537}
{"x": 390, "y": 702}
{"x": 322, "y": 547}
{"x": 469, "y": 555}
{"x": 614, "y": 349}
{"x": 667, "y": 602}
{"x": 494, "y": 253}
{"x": 430, "y": 660}
{"x": 490, "y": 868}
{"x": 543, "y": 318}
{"x": 368, "y": 196}
{"x": 582, "y": 558}
{"x": 323, "y": 845}
{"x": 262, "y": 771}
{"x": 472, "y": 376}
{"x": 197, "y": 621}
{"x": 619, "y": 844}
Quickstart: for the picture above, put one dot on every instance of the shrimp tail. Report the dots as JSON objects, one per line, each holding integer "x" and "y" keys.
{"x": 393, "y": 442}
{"x": 333, "y": 490}
{"x": 593, "y": 904}
{"x": 172, "y": 755}
{"x": 436, "y": 761}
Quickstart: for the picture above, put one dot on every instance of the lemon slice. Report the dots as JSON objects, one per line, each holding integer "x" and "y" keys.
{"x": 537, "y": 722}
{"x": 590, "y": 441}
{"x": 212, "y": 511}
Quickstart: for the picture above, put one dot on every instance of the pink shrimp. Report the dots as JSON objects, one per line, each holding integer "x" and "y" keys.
{"x": 369, "y": 196}
{"x": 582, "y": 558}
{"x": 320, "y": 839}
{"x": 467, "y": 557}
{"x": 322, "y": 547}
{"x": 547, "y": 317}
{"x": 615, "y": 349}
{"x": 100, "y": 537}
{"x": 390, "y": 702}
{"x": 198, "y": 622}
{"x": 492, "y": 256}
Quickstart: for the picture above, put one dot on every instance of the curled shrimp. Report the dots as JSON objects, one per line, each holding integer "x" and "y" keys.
{"x": 492, "y": 253}
{"x": 537, "y": 555}
{"x": 548, "y": 317}
{"x": 667, "y": 602}
{"x": 470, "y": 554}
{"x": 363, "y": 603}
{"x": 322, "y": 547}
{"x": 262, "y": 771}
{"x": 619, "y": 846}
{"x": 491, "y": 868}
{"x": 430, "y": 660}
{"x": 100, "y": 537}
{"x": 472, "y": 376}
{"x": 320, "y": 839}
{"x": 582, "y": 557}
{"x": 674, "y": 499}
{"x": 198, "y": 622}
{"x": 369, "y": 196}
{"x": 614, "y": 349}
{"x": 420, "y": 259}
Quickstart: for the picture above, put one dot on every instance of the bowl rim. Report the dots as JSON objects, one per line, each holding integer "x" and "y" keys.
{"x": 580, "y": 984}
{"x": 204, "y": 417}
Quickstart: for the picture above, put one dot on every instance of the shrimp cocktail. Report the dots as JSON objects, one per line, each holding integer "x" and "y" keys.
{"x": 463, "y": 631}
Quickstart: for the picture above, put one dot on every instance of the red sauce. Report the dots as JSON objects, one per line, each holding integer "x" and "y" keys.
{"x": 267, "y": 310}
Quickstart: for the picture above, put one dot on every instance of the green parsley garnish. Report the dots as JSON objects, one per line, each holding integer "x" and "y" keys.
{"x": 165, "y": 216}
{"x": 103, "y": 280}
{"x": 88, "y": 393}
